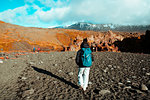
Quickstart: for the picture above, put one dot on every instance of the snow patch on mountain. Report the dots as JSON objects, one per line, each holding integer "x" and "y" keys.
{"x": 106, "y": 27}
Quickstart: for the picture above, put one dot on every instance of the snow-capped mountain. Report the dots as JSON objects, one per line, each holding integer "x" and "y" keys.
{"x": 106, "y": 27}
{"x": 89, "y": 26}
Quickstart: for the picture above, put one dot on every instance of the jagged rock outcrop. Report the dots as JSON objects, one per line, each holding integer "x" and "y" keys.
{"x": 100, "y": 42}
{"x": 137, "y": 44}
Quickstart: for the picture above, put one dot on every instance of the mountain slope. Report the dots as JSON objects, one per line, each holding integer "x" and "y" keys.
{"x": 19, "y": 38}
{"x": 107, "y": 27}
{"x": 14, "y": 37}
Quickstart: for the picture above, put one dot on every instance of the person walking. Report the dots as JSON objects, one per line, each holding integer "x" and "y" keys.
{"x": 39, "y": 49}
{"x": 84, "y": 59}
{"x": 34, "y": 49}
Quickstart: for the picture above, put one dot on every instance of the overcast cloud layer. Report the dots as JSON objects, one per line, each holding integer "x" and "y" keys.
{"x": 47, "y": 13}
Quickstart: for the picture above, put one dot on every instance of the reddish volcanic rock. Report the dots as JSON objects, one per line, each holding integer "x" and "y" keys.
{"x": 13, "y": 37}
{"x": 2, "y": 22}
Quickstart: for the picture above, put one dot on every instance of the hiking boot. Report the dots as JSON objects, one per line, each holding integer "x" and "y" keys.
{"x": 80, "y": 88}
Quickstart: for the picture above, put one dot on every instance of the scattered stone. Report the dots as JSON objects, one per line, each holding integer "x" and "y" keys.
{"x": 1, "y": 61}
{"x": 90, "y": 83}
{"x": 41, "y": 62}
{"x": 28, "y": 97}
{"x": 32, "y": 63}
{"x": 31, "y": 91}
{"x": 135, "y": 85}
{"x": 23, "y": 78}
{"x": 106, "y": 70}
{"x": 118, "y": 67}
{"x": 148, "y": 74}
{"x": 61, "y": 96}
{"x": 103, "y": 92}
{"x": 128, "y": 81}
{"x": 127, "y": 87}
{"x": 60, "y": 71}
{"x": 54, "y": 64}
{"x": 106, "y": 83}
{"x": 134, "y": 77}
{"x": 115, "y": 66}
{"x": 139, "y": 92}
{"x": 110, "y": 66}
{"x": 143, "y": 69}
{"x": 110, "y": 59}
{"x": 28, "y": 92}
{"x": 148, "y": 82}
{"x": 144, "y": 87}
{"x": 38, "y": 77}
{"x": 55, "y": 81}
{"x": 71, "y": 73}
{"x": 120, "y": 83}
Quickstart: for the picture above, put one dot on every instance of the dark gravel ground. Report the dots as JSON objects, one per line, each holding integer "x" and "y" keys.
{"x": 53, "y": 76}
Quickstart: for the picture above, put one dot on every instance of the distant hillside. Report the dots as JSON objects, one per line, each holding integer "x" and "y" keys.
{"x": 19, "y": 38}
{"x": 15, "y": 37}
{"x": 107, "y": 27}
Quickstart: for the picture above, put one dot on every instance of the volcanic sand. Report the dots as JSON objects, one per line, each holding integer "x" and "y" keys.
{"x": 50, "y": 76}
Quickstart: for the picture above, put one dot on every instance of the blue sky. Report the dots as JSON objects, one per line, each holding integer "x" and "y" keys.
{"x": 49, "y": 13}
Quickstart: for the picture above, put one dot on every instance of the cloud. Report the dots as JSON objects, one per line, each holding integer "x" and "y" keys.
{"x": 63, "y": 12}
{"x": 29, "y": 1}
{"x": 54, "y": 3}
{"x": 20, "y": 16}
{"x": 57, "y": 14}
{"x": 34, "y": 15}
{"x": 100, "y": 11}
{"x": 111, "y": 11}
{"x": 11, "y": 15}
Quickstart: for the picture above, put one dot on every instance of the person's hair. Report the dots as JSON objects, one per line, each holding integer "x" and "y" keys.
{"x": 85, "y": 40}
